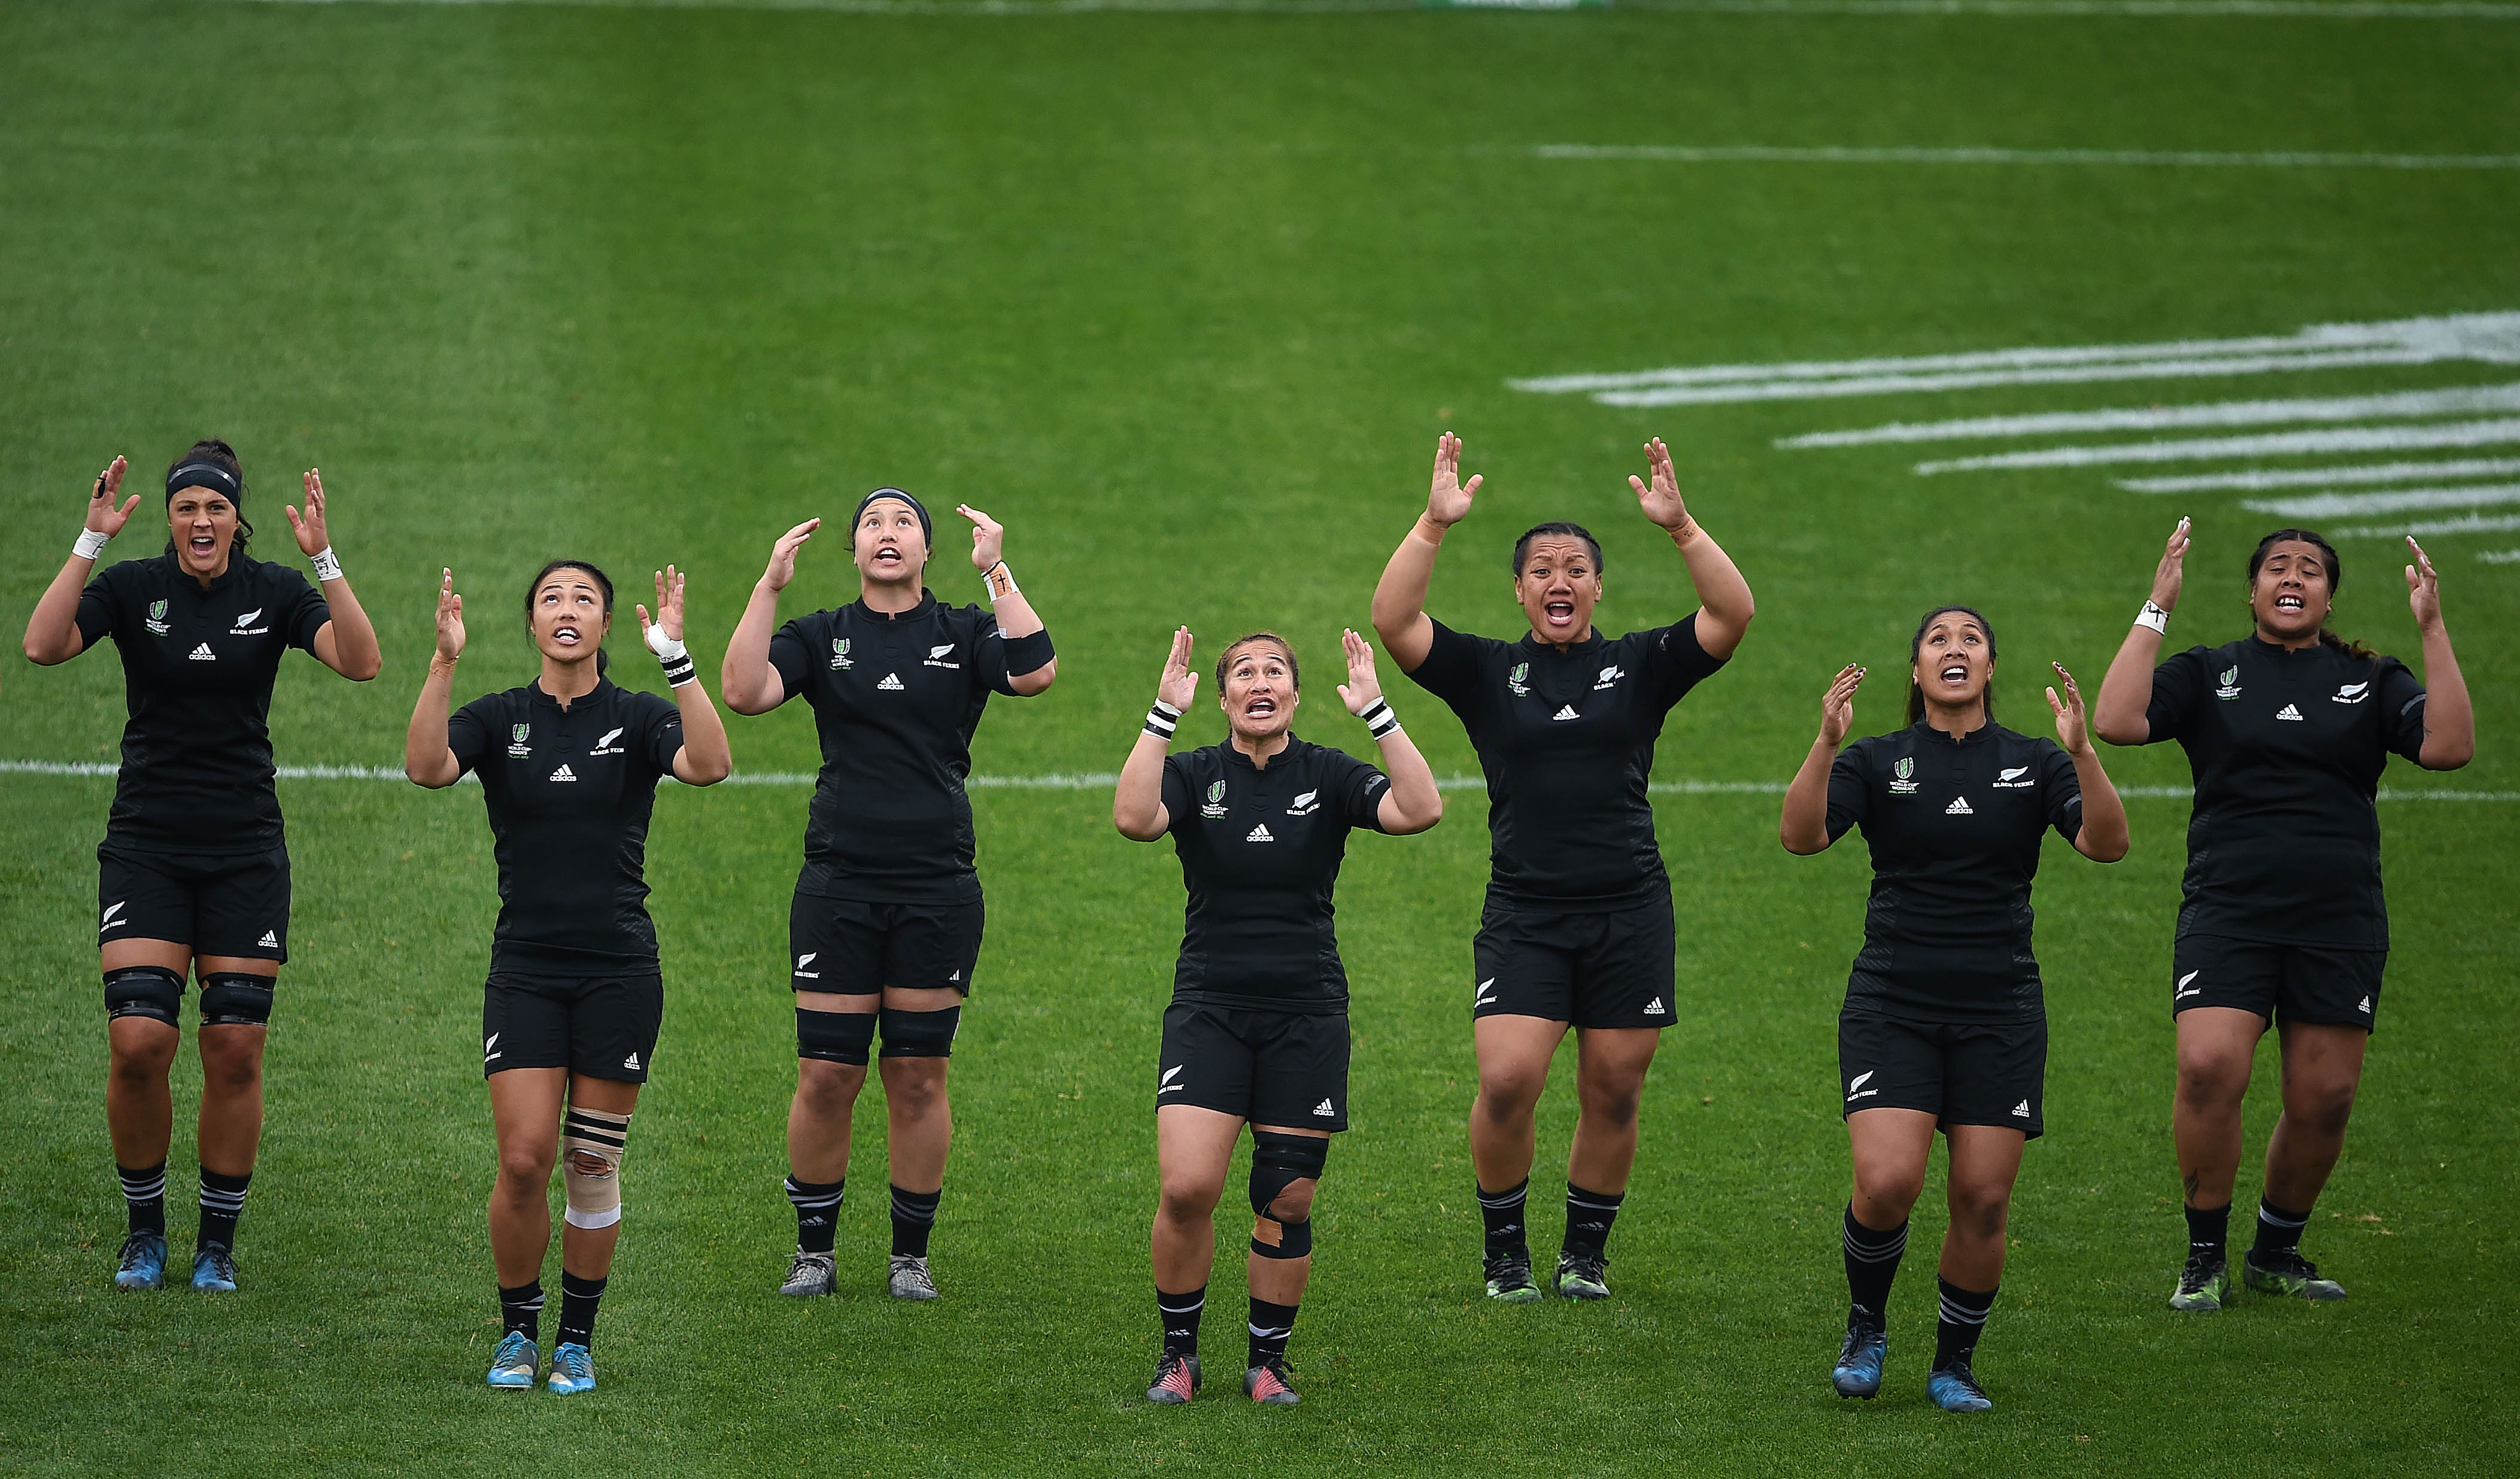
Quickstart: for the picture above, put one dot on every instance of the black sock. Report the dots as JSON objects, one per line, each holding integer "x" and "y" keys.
{"x": 222, "y": 1202}
{"x": 1180, "y": 1314}
{"x": 818, "y": 1212}
{"x": 523, "y": 1309}
{"x": 2209, "y": 1230}
{"x": 1872, "y": 1262}
{"x": 1502, "y": 1211}
{"x": 1271, "y": 1325}
{"x": 1589, "y": 1215}
{"x": 914, "y": 1216}
{"x": 578, "y": 1298}
{"x": 1963, "y": 1319}
{"x": 144, "y": 1193}
{"x": 2278, "y": 1232}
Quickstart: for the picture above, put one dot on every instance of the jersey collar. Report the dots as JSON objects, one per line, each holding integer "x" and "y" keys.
{"x": 602, "y": 690}
{"x": 1233, "y": 754}
{"x": 1531, "y": 643}
{"x": 1925, "y": 730}
{"x": 927, "y": 608}
{"x": 235, "y": 573}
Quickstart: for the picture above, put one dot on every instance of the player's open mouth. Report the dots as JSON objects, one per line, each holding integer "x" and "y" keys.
{"x": 566, "y": 636}
{"x": 202, "y": 545}
{"x": 1560, "y": 612}
{"x": 2289, "y": 604}
{"x": 1260, "y": 708}
{"x": 1956, "y": 673}
{"x": 887, "y": 555}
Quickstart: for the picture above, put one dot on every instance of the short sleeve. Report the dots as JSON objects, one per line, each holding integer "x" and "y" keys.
{"x": 660, "y": 732}
{"x": 309, "y": 611}
{"x": 468, "y": 731}
{"x": 1177, "y": 789}
{"x": 2063, "y": 786}
{"x": 793, "y": 651}
{"x": 1850, "y": 791}
{"x": 2176, "y": 687}
{"x": 989, "y": 655}
{"x": 100, "y": 607}
{"x": 2401, "y": 710}
{"x": 1451, "y": 671}
{"x": 1680, "y": 662}
{"x": 1361, "y": 788}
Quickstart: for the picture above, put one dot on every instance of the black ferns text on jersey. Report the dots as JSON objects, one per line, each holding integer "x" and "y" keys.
{"x": 1955, "y": 828}
{"x": 198, "y": 665}
{"x": 897, "y": 701}
{"x": 2287, "y": 747}
{"x": 1260, "y": 853}
{"x": 1567, "y": 742}
{"x": 569, "y": 792}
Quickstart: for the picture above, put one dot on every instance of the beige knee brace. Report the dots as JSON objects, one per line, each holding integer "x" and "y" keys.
{"x": 589, "y": 1155}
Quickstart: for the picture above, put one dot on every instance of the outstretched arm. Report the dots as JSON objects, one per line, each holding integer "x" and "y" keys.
{"x": 750, "y": 683}
{"x": 2126, "y": 688}
{"x": 1724, "y": 606}
{"x": 1400, "y": 597}
{"x": 2102, "y": 836}
{"x": 426, "y": 758}
{"x": 1410, "y": 803}
{"x": 2449, "y": 719}
{"x": 52, "y": 630}
{"x": 347, "y": 644}
{"x": 1804, "y": 827}
{"x": 1016, "y": 619}
{"x": 1137, "y": 803}
{"x": 704, "y": 759}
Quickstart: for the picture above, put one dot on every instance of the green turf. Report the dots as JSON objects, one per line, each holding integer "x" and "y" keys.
{"x": 1184, "y": 300}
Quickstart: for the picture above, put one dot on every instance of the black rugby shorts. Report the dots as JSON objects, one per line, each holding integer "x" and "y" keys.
{"x": 2294, "y": 983}
{"x": 1610, "y": 969}
{"x": 218, "y": 906}
{"x": 1963, "y": 1073}
{"x": 602, "y": 1026}
{"x": 854, "y": 949}
{"x": 1285, "y": 1068}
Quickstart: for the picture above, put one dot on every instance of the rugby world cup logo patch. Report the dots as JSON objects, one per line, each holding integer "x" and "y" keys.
{"x": 839, "y": 654}
{"x": 157, "y": 617}
{"x": 517, "y": 741}
{"x": 2231, "y": 688}
{"x": 1215, "y": 806}
{"x": 1903, "y": 777}
{"x": 1514, "y": 680}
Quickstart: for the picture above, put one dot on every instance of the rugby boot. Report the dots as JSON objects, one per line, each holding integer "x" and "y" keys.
{"x": 143, "y": 1264}
{"x": 214, "y": 1271}
{"x": 2204, "y": 1285}
{"x": 1265, "y": 1384}
{"x": 1857, "y": 1372}
{"x": 1176, "y": 1379}
{"x": 1954, "y": 1390}
{"x": 1583, "y": 1276}
{"x": 911, "y": 1278}
{"x": 512, "y": 1366}
{"x": 2288, "y": 1273}
{"x": 810, "y": 1275}
{"x": 572, "y": 1369}
{"x": 1510, "y": 1278}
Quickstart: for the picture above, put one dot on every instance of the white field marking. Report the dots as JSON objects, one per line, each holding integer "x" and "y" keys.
{"x": 2466, "y": 400}
{"x": 2500, "y": 557}
{"x": 2177, "y": 158}
{"x": 2486, "y": 337}
{"x": 2343, "y": 10}
{"x": 2474, "y": 523}
{"x": 2405, "y": 500}
{"x": 2260, "y": 479}
{"x": 2477, "y": 433}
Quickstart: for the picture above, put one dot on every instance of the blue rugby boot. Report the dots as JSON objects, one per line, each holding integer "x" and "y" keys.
{"x": 513, "y": 1368}
{"x": 143, "y": 1264}
{"x": 1860, "y": 1362}
{"x": 214, "y": 1271}
{"x": 572, "y": 1369}
{"x": 1954, "y": 1390}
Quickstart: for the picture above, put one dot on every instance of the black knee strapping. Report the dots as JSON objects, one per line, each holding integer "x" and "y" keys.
{"x": 921, "y": 1034}
{"x": 1278, "y": 1161}
{"x": 834, "y": 1037}
{"x": 235, "y": 999}
{"x": 1294, "y": 1240}
{"x": 144, "y": 991}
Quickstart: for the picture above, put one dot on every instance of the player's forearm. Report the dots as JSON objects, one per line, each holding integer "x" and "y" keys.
{"x": 52, "y": 631}
{"x": 1804, "y": 826}
{"x": 1400, "y": 595}
{"x": 2126, "y": 689}
{"x": 1413, "y": 782}
{"x": 2104, "y": 835}
{"x": 356, "y": 653}
{"x": 706, "y": 757}
{"x": 1015, "y": 615}
{"x": 425, "y": 756}
{"x": 1725, "y": 603}
{"x": 743, "y": 677}
{"x": 2450, "y": 718}
{"x": 1138, "y": 801}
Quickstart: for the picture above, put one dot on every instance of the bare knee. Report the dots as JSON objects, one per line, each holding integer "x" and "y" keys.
{"x": 1978, "y": 1209}
{"x": 1614, "y": 1101}
{"x": 826, "y": 1090}
{"x": 1187, "y": 1201}
{"x": 2212, "y": 1080}
{"x": 1507, "y": 1096}
{"x": 524, "y": 1172}
{"x": 915, "y": 1086}
{"x": 141, "y": 1067}
{"x": 231, "y": 1068}
{"x": 2322, "y": 1108}
{"x": 1887, "y": 1190}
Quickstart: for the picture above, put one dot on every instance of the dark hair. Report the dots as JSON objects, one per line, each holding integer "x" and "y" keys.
{"x": 603, "y": 582}
{"x": 1522, "y": 545}
{"x": 1917, "y": 644}
{"x": 2335, "y": 581}
{"x": 1224, "y": 659}
{"x": 221, "y": 455}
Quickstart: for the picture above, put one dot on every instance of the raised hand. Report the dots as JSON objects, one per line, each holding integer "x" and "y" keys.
{"x": 1179, "y": 685}
{"x": 1448, "y": 500}
{"x": 1661, "y": 502}
{"x": 988, "y": 538}
{"x": 1362, "y": 686}
{"x": 669, "y": 607}
{"x": 1837, "y": 705}
{"x": 312, "y": 540}
{"x": 2174, "y": 562}
{"x": 450, "y": 619}
{"x": 782, "y": 555}
{"x": 102, "y": 516}
{"x": 2423, "y": 589}
{"x": 2073, "y": 731}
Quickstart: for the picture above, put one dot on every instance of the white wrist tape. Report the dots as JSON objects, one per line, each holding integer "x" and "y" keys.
{"x": 2154, "y": 617}
{"x": 1162, "y": 720}
{"x": 998, "y": 574}
{"x": 91, "y": 544}
{"x": 1379, "y": 719}
{"x": 327, "y": 566}
{"x": 672, "y": 656}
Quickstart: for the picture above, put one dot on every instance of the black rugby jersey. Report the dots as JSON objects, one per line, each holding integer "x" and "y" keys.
{"x": 1567, "y": 740}
{"x": 897, "y": 701}
{"x": 1260, "y": 853}
{"x": 1955, "y": 828}
{"x": 569, "y": 792}
{"x": 2287, "y": 749}
{"x": 198, "y": 666}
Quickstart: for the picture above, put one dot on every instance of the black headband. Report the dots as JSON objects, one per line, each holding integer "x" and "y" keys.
{"x": 201, "y": 474}
{"x": 927, "y": 529}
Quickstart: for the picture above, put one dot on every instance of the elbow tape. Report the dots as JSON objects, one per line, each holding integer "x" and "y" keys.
{"x": 590, "y": 1153}
{"x": 1028, "y": 655}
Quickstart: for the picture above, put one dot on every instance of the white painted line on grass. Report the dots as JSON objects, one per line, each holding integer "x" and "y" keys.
{"x": 2175, "y": 159}
{"x": 2500, "y": 557}
{"x": 2477, "y": 433}
{"x": 2260, "y": 479}
{"x": 2405, "y": 500}
{"x": 2474, "y": 523}
{"x": 2464, "y": 400}
{"x": 2343, "y": 10}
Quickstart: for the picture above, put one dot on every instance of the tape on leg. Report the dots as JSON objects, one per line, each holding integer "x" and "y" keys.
{"x": 235, "y": 998}
{"x": 921, "y": 1034}
{"x": 835, "y": 1037}
{"x": 144, "y": 991}
{"x": 589, "y": 1156}
{"x": 1278, "y": 1161}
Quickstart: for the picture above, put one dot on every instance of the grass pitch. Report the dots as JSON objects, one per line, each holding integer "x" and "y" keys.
{"x": 1184, "y": 300}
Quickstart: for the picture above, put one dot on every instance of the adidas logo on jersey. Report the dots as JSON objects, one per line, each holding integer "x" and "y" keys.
{"x": 1960, "y": 807}
{"x": 1655, "y": 1007}
{"x": 564, "y": 774}
{"x": 270, "y": 940}
{"x": 935, "y": 657}
{"x": 2289, "y": 712}
{"x": 891, "y": 683}
{"x": 2021, "y": 1110}
{"x": 1259, "y": 833}
{"x": 202, "y": 654}
{"x": 1322, "y": 1110}
{"x": 1568, "y": 712}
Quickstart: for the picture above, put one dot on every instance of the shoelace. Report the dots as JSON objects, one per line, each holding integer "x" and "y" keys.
{"x": 1509, "y": 1271}
{"x": 136, "y": 1251}
{"x": 1960, "y": 1375}
{"x": 2200, "y": 1268}
{"x": 1173, "y": 1373}
{"x": 579, "y": 1363}
{"x": 1590, "y": 1269}
{"x": 221, "y": 1263}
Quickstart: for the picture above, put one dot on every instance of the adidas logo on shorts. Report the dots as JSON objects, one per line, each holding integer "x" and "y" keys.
{"x": 1655, "y": 1007}
{"x": 1960, "y": 807}
{"x": 632, "y": 1062}
{"x": 2021, "y": 1110}
{"x": 202, "y": 654}
{"x": 891, "y": 683}
{"x": 1259, "y": 833}
{"x": 271, "y": 941}
{"x": 1322, "y": 1110}
{"x": 2289, "y": 712}
{"x": 2363, "y": 1007}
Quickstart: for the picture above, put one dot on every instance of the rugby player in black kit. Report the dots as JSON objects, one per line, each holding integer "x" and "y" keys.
{"x": 1257, "y": 1029}
{"x": 1578, "y": 924}
{"x": 2287, "y": 730}
{"x": 569, "y": 765}
{"x": 885, "y": 925}
{"x": 193, "y": 875}
{"x": 1944, "y": 1024}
